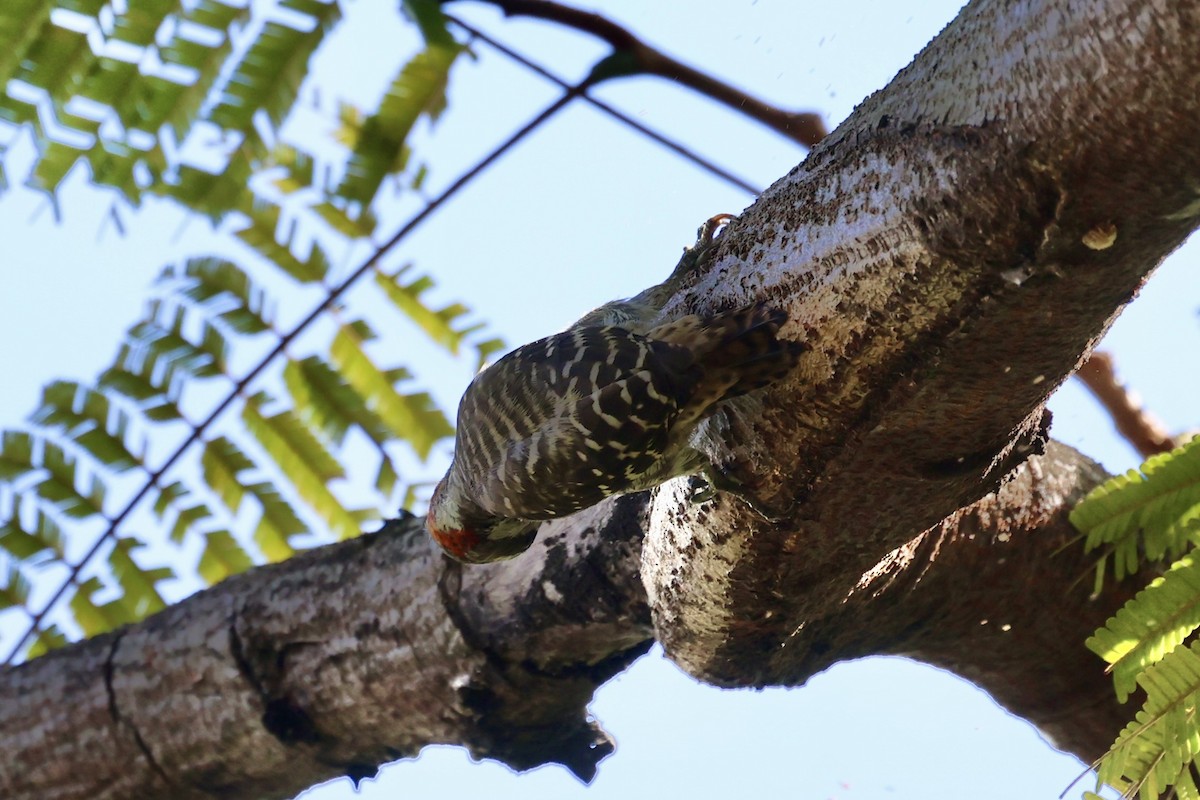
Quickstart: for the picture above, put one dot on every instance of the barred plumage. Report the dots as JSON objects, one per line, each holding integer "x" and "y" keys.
{"x": 562, "y": 423}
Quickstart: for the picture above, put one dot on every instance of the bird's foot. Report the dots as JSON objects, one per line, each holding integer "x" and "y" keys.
{"x": 702, "y": 491}
{"x": 708, "y": 231}
{"x": 695, "y": 255}
{"x": 714, "y": 480}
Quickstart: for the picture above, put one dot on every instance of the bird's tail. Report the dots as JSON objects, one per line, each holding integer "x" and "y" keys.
{"x": 735, "y": 352}
{"x": 740, "y": 348}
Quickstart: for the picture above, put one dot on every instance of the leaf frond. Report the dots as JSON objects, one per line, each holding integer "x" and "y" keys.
{"x": 1150, "y": 625}
{"x": 1154, "y": 510}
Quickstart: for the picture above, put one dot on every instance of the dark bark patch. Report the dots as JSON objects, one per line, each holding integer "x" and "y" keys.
{"x": 289, "y": 723}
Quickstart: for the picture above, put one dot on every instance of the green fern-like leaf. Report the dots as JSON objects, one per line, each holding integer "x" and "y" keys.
{"x": 141, "y": 20}
{"x": 223, "y": 463}
{"x": 88, "y": 8}
{"x": 379, "y": 143}
{"x": 164, "y": 348}
{"x": 73, "y": 493}
{"x": 147, "y": 100}
{"x": 412, "y": 417}
{"x": 261, "y": 234}
{"x": 217, "y": 15}
{"x": 88, "y": 426}
{"x": 213, "y": 194}
{"x": 1150, "y": 625}
{"x": 186, "y": 520}
{"x": 55, "y": 160}
{"x": 284, "y": 434}
{"x": 358, "y": 226}
{"x": 278, "y": 523}
{"x": 14, "y": 589}
{"x": 226, "y": 290}
{"x": 222, "y": 557}
{"x": 16, "y": 456}
{"x": 179, "y": 106}
{"x": 323, "y": 12}
{"x": 113, "y": 164}
{"x": 93, "y": 617}
{"x": 157, "y": 403}
{"x": 1156, "y": 508}
{"x": 45, "y": 640}
{"x": 21, "y": 24}
{"x": 141, "y": 596}
{"x": 386, "y": 477}
{"x": 57, "y": 61}
{"x": 167, "y": 497}
{"x": 30, "y": 543}
{"x": 133, "y": 603}
{"x": 299, "y": 169}
{"x": 430, "y": 19}
{"x": 437, "y": 324}
{"x": 1155, "y": 751}
{"x": 269, "y": 74}
{"x": 306, "y": 463}
{"x": 330, "y": 404}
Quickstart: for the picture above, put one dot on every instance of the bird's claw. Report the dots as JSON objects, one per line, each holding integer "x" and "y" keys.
{"x": 703, "y": 492}
{"x": 714, "y": 480}
{"x": 693, "y": 256}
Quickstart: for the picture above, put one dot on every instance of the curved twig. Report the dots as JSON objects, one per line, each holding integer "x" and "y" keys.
{"x": 633, "y": 56}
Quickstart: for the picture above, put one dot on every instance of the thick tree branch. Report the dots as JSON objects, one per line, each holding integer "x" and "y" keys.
{"x": 938, "y": 254}
{"x": 997, "y": 593}
{"x": 335, "y": 662}
{"x": 632, "y": 56}
{"x": 363, "y": 652}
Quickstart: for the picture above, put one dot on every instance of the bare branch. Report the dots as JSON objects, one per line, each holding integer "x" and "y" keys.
{"x": 363, "y": 652}
{"x": 334, "y": 662}
{"x": 1144, "y": 431}
{"x": 995, "y": 594}
{"x": 632, "y": 56}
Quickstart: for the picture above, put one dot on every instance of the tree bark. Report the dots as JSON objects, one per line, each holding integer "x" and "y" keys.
{"x": 334, "y": 662}
{"x": 949, "y": 253}
{"x": 948, "y": 256}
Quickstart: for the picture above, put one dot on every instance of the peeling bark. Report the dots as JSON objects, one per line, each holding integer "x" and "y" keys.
{"x": 947, "y": 255}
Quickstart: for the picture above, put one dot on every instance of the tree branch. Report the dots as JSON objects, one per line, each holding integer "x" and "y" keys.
{"x": 363, "y": 652}
{"x": 1138, "y": 426}
{"x": 632, "y": 56}
{"x": 995, "y": 594}
{"x": 334, "y": 662}
{"x": 937, "y": 255}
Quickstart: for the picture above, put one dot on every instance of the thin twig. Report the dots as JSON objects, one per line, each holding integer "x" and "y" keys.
{"x": 804, "y": 127}
{"x": 649, "y": 133}
{"x": 1140, "y": 428}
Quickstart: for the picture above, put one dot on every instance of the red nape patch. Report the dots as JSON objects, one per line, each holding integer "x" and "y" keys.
{"x": 455, "y": 542}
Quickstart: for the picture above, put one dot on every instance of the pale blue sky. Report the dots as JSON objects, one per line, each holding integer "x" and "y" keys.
{"x": 584, "y": 211}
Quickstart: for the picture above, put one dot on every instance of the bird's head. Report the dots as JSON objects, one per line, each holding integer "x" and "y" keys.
{"x": 474, "y": 538}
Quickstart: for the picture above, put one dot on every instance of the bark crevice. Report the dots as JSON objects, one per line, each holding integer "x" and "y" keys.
{"x": 120, "y": 723}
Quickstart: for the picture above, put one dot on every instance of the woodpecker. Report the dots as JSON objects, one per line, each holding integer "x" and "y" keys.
{"x": 606, "y": 407}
